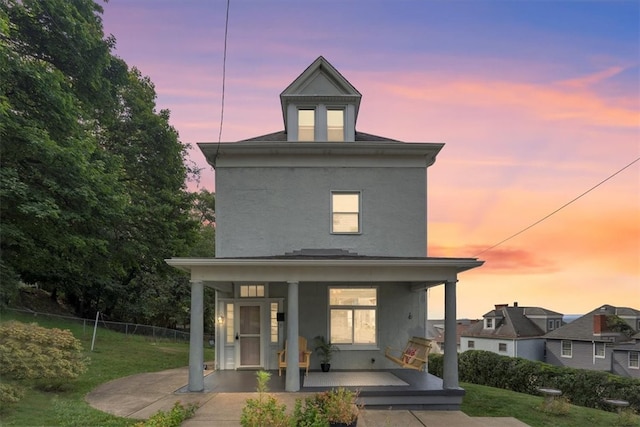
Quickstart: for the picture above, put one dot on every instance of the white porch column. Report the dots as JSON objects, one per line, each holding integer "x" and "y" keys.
{"x": 292, "y": 379}
{"x": 450, "y": 368}
{"x": 196, "y": 350}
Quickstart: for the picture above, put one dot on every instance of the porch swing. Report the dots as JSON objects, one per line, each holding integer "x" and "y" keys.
{"x": 414, "y": 356}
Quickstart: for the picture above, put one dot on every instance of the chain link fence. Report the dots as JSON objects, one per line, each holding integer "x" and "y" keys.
{"x": 150, "y": 331}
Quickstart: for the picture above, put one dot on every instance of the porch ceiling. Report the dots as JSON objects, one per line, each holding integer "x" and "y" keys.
{"x": 423, "y": 271}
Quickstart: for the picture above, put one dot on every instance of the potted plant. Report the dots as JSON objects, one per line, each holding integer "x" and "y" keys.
{"x": 325, "y": 350}
{"x": 339, "y": 406}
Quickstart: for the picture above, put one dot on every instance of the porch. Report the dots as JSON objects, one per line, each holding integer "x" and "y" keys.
{"x": 420, "y": 391}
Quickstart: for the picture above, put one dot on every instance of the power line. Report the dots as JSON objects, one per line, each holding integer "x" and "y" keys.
{"x": 224, "y": 70}
{"x": 559, "y": 209}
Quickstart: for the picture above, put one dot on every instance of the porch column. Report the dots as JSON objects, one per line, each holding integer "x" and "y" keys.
{"x": 450, "y": 368}
{"x": 196, "y": 337}
{"x": 292, "y": 379}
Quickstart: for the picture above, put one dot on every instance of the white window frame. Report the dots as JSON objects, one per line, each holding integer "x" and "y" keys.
{"x": 253, "y": 290}
{"x": 550, "y": 324}
{"x": 274, "y": 332}
{"x": 344, "y": 118}
{"x": 596, "y": 347}
{"x": 634, "y": 362}
{"x": 568, "y": 354}
{"x": 558, "y": 323}
{"x": 315, "y": 123}
{"x": 489, "y": 322}
{"x": 334, "y": 212}
{"x": 353, "y": 308}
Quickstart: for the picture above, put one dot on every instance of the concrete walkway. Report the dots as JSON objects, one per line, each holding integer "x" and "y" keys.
{"x": 142, "y": 395}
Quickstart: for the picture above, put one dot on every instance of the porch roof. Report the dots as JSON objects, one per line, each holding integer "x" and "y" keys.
{"x": 423, "y": 272}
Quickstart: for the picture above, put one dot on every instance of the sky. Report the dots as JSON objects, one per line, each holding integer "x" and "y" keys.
{"x": 538, "y": 102}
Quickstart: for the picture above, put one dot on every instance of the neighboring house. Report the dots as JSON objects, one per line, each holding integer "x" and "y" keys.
{"x": 320, "y": 230}
{"x": 605, "y": 339}
{"x": 512, "y": 331}
{"x": 437, "y": 334}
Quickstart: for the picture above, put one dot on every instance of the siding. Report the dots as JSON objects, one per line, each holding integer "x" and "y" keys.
{"x": 582, "y": 356}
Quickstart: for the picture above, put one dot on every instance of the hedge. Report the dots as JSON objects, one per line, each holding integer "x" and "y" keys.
{"x": 581, "y": 386}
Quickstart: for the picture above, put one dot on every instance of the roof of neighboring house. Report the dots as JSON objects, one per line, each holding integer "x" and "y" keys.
{"x": 511, "y": 323}
{"x": 462, "y": 325}
{"x": 281, "y": 136}
{"x": 581, "y": 329}
{"x": 628, "y": 346}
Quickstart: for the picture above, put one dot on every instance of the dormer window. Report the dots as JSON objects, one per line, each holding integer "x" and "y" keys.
{"x": 306, "y": 125}
{"x": 335, "y": 125}
{"x": 488, "y": 323}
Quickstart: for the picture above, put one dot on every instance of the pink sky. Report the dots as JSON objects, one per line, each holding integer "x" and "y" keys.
{"x": 536, "y": 102}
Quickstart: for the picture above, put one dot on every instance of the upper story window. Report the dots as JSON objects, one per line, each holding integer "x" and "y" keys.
{"x": 335, "y": 125}
{"x": 488, "y": 323}
{"x": 306, "y": 125}
{"x": 566, "y": 348}
{"x": 345, "y": 212}
{"x": 551, "y": 325}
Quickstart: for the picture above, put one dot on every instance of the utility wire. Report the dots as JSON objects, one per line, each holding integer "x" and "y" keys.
{"x": 224, "y": 71}
{"x": 559, "y": 209}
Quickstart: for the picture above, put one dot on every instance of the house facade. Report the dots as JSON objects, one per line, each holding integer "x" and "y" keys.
{"x": 514, "y": 331}
{"x": 320, "y": 230}
{"x": 605, "y": 339}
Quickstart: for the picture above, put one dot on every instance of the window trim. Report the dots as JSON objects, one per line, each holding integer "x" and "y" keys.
{"x": 354, "y": 346}
{"x": 489, "y": 322}
{"x": 636, "y": 365}
{"x": 315, "y": 123}
{"x": 471, "y": 344}
{"x": 503, "y": 344}
{"x": 359, "y": 212}
{"x": 344, "y": 119}
{"x": 562, "y": 352}
{"x": 595, "y": 350}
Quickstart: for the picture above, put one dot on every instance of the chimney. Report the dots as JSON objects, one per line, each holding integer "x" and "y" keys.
{"x": 499, "y": 307}
{"x": 515, "y": 303}
{"x": 599, "y": 324}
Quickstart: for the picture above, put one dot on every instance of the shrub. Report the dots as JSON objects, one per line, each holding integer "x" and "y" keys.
{"x": 265, "y": 411}
{"x": 172, "y": 418}
{"x": 9, "y": 394}
{"x": 583, "y": 387}
{"x": 435, "y": 365}
{"x": 29, "y": 351}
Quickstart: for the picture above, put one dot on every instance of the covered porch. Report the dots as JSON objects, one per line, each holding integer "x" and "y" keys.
{"x": 299, "y": 271}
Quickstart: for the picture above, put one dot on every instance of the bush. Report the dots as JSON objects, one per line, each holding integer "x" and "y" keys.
{"x": 265, "y": 411}
{"x": 582, "y": 387}
{"x": 173, "y": 418}
{"x": 29, "y": 351}
{"x": 9, "y": 394}
{"x": 436, "y": 364}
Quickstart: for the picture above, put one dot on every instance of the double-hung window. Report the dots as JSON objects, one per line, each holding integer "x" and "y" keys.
{"x": 306, "y": 125}
{"x": 335, "y": 125}
{"x": 634, "y": 359}
{"x": 599, "y": 350}
{"x": 566, "y": 348}
{"x": 352, "y": 313}
{"x": 345, "y": 212}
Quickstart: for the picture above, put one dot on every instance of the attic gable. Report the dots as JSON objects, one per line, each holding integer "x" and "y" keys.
{"x": 319, "y": 84}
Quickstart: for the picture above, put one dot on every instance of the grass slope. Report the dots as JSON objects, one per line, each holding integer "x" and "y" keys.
{"x": 117, "y": 355}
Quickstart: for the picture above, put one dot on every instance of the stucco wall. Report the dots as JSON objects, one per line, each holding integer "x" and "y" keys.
{"x": 265, "y": 211}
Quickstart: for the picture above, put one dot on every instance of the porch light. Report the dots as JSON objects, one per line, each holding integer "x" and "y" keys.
{"x": 220, "y": 319}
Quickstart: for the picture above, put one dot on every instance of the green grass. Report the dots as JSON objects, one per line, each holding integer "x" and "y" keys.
{"x": 483, "y": 401}
{"x": 115, "y": 355}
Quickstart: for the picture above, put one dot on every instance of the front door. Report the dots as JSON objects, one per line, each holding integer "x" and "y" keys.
{"x": 249, "y": 336}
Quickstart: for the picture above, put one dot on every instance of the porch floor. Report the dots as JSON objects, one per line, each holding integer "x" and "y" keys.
{"x": 422, "y": 390}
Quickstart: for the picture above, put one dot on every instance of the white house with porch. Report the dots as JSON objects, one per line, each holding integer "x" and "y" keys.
{"x": 321, "y": 230}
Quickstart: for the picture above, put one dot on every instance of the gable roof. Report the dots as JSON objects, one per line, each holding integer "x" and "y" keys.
{"x": 581, "y": 329}
{"x": 320, "y": 81}
{"x": 511, "y": 323}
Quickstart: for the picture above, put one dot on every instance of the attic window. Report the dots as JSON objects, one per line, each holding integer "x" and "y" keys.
{"x": 306, "y": 124}
{"x": 335, "y": 125}
{"x": 488, "y": 323}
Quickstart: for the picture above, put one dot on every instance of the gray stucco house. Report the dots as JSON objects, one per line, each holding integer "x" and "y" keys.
{"x": 515, "y": 331}
{"x": 605, "y": 339}
{"x": 321, "y": 230}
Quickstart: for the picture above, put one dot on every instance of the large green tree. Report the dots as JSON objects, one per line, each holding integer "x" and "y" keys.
{"x": 93, "y": 177}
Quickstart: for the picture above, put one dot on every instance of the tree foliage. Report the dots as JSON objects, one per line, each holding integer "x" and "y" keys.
{"x": 93, "y": 177}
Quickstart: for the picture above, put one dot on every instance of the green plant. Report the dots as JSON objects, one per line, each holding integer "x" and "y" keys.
{"x": 9, "y": 394}
{"x": 308, "y": 413}
{"x": 265, "y": 411}
{"x": 172, "y": 418}
{"x": 627, "y": 418}
{"x": 29, "y": 351}
{"x": 339, "y": 405}
{"x": 324, "y": 348}
{"x": 557, "y": 406}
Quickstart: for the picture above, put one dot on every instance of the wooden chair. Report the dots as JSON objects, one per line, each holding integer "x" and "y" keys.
{"x": 414, "y": 356}
{"x": 303, "y": 360}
